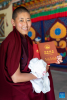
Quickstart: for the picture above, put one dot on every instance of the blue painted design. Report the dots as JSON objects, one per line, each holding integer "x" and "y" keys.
{"x": 48, "y": 24}
{"x": 29, "y": 33}
{"x": 61, "y": 54}
{"x": 64, "y": 20}
{"x": 42, "y": 30}
{"x": 4, "y": 3}
{"x": 65, "y": 60}
{"x": 57, "y": 31}
{"x": 57, "y": 3}
{"x": 37, "y": 27}
{"x": 22, "y": 58}
{"x": 38, "y": 37}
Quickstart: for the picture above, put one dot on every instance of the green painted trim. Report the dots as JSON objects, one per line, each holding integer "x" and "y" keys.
{"x": 49, "y": 12}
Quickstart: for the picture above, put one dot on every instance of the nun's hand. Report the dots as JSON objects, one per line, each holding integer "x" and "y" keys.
{"x": 47, "y": 68}
{"x": 59, "y": 59}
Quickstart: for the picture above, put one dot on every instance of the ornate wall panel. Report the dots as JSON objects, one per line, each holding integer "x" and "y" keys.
{"x": 56, "y": 30}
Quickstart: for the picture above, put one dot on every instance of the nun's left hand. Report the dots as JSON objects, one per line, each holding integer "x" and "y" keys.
{"x": 59, "y": 59}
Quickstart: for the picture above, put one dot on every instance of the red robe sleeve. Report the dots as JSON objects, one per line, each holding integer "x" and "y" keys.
{"x": 10, "y": 52}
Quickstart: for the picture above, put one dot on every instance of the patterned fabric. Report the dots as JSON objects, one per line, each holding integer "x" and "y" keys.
{"x": 37, "y": 6}
{"x": 2, "y": 27}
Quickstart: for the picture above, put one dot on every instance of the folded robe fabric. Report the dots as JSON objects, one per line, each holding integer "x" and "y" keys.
{"x": 38, "y": 68}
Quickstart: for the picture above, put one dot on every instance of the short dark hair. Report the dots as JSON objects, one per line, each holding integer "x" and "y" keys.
{"x": 19, "y": 10}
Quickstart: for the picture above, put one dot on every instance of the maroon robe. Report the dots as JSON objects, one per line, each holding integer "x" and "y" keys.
{"x": 10, "y": 56}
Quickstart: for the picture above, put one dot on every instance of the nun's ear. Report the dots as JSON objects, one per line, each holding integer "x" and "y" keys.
{"x": 13, "y": 22}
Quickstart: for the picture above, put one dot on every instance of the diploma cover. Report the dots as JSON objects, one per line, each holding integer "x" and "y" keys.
{"x": 48, "y": 52}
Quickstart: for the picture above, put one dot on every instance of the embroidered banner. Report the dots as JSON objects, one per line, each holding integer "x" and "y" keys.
{"x": 41, "y": 6}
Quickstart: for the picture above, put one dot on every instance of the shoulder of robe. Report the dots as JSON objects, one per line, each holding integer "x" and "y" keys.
{"x": 9, "y": 40}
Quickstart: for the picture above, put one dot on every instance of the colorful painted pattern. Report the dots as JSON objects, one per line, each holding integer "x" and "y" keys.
{"x": 38, "y": 6}
{"x": 4, "y": 4}
{"x": 57, "y": 31}
{"x": 32, "y": 33}
{"x": 35, "y": 31}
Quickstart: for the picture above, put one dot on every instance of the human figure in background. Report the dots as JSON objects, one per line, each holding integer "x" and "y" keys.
{"x": 15, "y": 53}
